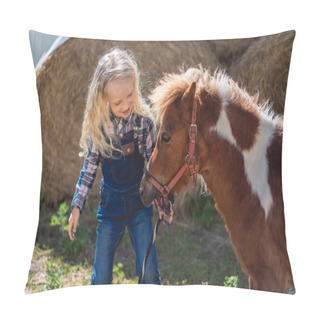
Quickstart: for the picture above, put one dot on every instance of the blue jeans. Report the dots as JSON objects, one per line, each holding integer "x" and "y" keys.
{"x": 109, "y": 234}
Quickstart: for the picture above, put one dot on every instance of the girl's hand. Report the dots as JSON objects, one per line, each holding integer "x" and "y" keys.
{"x": 73, "y": 222}
{"x": 167, "y": 218}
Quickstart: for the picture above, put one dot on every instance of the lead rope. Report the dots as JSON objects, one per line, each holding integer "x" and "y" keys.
{"x": 160, "y": 204}
{"x": 155, "y": 231}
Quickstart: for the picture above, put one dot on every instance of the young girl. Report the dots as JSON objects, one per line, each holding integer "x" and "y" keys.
{"x": 118, "y": 134}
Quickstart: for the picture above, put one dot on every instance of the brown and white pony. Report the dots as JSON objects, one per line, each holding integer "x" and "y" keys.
{"x": 238, "y": 154}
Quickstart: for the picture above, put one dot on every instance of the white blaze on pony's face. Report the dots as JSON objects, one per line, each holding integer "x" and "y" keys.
{"x": 254, "y": 152}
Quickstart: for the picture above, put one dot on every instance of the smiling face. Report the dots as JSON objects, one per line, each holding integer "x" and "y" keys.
{"x": 121, "y": 95}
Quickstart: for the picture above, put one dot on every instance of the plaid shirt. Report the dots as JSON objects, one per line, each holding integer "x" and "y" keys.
{"x": 147, "y": 137}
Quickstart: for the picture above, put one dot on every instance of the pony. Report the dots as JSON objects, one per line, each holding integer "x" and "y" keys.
{"x": 237, "y": 154}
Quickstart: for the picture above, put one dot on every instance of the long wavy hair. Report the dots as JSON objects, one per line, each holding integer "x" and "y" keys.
{"x": 97, "y": 123}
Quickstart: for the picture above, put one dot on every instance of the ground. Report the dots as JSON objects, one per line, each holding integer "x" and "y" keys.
{"x": 190, "y": 252}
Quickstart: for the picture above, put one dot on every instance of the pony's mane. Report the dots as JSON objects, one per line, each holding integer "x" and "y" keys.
{"x": 172, "y": 86}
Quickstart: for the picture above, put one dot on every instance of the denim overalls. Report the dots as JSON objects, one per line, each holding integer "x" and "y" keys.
{"x": 121, "y": 206}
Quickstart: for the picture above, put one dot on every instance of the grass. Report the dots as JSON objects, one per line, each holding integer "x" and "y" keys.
{"x": 195, "y": 250}
{"x": 49, "y": 272}
{"x": 195, "y": 256}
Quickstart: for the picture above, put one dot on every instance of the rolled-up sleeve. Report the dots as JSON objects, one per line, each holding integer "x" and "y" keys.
{"x": 87, "y": 177}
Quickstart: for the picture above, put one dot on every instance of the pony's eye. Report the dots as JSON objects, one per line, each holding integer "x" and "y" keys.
{"x": 165, "y": 138}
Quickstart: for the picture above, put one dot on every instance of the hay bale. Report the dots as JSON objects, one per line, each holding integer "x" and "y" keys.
{"x": 230, "y": 51}
{"x": 264, "y": 67}
{"x": 62, "y": 84}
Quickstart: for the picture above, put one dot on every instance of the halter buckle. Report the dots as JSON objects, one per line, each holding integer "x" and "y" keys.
{"x": 165, "y": 190}
{"x": 189, "y": 160}
{"x": 193, "y": 130}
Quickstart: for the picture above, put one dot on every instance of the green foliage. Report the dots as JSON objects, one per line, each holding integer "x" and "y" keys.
{"x": 61, "y": 218}
{"x": 65, "y": 245}
{"x": 53, "y": 278}
{"x": 118, "y": 270}
{"x": 231, "y": 282}
{"x": 203, "y": 211}
{"x": 119, "y": 275}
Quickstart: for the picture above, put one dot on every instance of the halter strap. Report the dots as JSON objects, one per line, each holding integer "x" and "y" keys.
{"x": 189, "y": 159}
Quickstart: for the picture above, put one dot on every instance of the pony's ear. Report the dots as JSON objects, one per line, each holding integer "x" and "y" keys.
{"x": 188, "y": 96}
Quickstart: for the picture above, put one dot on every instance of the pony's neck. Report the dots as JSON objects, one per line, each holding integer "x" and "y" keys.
{"x": 234, "y": 138}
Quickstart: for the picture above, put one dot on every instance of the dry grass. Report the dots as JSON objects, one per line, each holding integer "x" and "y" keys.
{"x": 264, "y": 68}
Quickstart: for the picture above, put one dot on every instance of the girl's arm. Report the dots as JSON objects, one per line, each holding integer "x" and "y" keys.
{"x": 84, "y": 186}
{"x": 87, "y": 177}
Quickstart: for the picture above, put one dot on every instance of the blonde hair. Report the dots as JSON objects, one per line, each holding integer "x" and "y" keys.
{"x": 97, "y": 124}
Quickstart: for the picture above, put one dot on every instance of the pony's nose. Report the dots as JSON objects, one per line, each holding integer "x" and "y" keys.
{"x": 141, "y": 191}
{"x": 147, "y": 192}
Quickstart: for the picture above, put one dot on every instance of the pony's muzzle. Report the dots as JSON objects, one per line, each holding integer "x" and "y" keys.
{"x": 147, "y": 192}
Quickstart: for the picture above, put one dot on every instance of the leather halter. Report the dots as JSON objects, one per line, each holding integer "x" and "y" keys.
{"x": 189, "y": 160}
